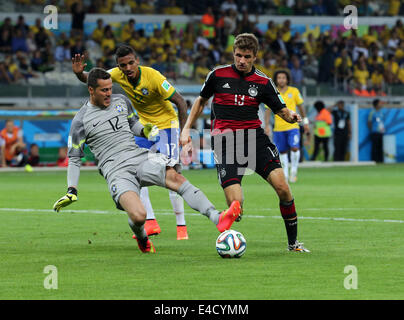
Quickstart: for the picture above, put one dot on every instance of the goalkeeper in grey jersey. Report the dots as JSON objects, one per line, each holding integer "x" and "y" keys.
{"x": 107, "y": 124}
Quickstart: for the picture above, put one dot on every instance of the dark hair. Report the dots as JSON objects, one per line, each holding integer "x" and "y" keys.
{"x": 375, "y": 102}
{"x": 319, "y": 105}
{"x": 246, "y": 41}
{"x": 94, "y": 75}
{"x": 123, "y": 50}
{"x": 280, "y": 72}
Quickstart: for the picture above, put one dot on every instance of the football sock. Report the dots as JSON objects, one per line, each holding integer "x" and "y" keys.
{"x": 138, "y": 230}
{"x": 144, "y": 197}
{"x": 295, "y": 157}
{"x": 288, "y": 212}
{"x": 285, "y": 164}
{"x": 198, "y": 201}
{"x": 178, "y": 207}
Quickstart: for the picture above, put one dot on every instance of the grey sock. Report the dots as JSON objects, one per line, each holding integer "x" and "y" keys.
{"x": 196, "y": 199}
{"x": 138, "y": 230}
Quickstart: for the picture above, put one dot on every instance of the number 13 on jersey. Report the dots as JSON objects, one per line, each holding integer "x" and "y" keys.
{"x": 239, "y": 99}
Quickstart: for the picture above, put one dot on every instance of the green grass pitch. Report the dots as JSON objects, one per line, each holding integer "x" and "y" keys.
{"x": 348, "y": 216}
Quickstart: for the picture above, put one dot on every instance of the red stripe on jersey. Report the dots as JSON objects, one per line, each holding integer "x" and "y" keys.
{"x": 222, "y": 124}
{"x": 257, "y": 79}
{"x": 229, "y": 99}
{"x": 226, "y": 72}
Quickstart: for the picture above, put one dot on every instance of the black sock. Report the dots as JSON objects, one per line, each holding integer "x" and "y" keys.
{"x": 289, "y": 216}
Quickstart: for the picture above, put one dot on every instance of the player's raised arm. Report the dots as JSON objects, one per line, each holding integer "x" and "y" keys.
{"x": 78, "y": 66}
{"x": 75, "y": 146}
{"x": 289, "y": 115}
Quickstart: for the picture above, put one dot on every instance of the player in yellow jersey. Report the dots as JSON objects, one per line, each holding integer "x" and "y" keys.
{"x": 152, "y": 97}
{"x": 286, "y": 135}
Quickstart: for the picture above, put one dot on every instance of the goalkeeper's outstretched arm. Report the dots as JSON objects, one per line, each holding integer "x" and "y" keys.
{"x": 73, "y": 174}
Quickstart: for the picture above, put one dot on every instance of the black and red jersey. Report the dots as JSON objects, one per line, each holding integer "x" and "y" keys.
{"x": 237, "y": 96}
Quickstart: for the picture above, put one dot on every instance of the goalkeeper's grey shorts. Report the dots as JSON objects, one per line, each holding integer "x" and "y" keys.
{"x": 146, "y": 169}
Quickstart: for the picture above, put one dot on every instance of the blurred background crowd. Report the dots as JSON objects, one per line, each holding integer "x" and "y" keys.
{"x": 361, "y": 65}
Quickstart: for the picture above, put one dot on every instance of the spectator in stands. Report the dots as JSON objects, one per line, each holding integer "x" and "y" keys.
{"x": 376, "y": 126}
{"x": 87, "y": 60}
{"x": 37, "y": 61}
{"x": 343, "y": 69}
{"x": 245, "y": 25}
{"x": 359, "y": 50}
{"x": 78, "y": 47}
{"x": 185, "y": 66}
{"x": 78, "y": 17}
{"x": 279, "y": 45}
{"x": 159, "y": 64}
{"x": 172, "y": 8}
{"x": 229, "y": 5}
{"x": 21, "y": 25}
{"x": 377, "y": 81}
{"x": 361, "y": 78}
{"x": 4, "y": 75}
{"x": 296, "y": 71}
{"x": 201, "y": 69}
{"x": 63, "y": 159}
{"x": 63, "y": 52}
{"x": 139, "y": 43}
{"x": 122, "y": 7}
{"x": 24, "y": 65}
{"x": 127, "y": 30}
{"x": 322, "y": 130}
{"x": 13, "y": 73}
{"x": 271, "y": 33}
{"x": 7, "y": 25}
{"x": 391, "y": 69}
{"x": 33, "y": 155}
{"x": 5, "y": 41}
{"x": 41, "y": 38}
{"x": 147, "y": 7}
{"x": 230, "y": 23}
{"x": 326, "y": 60}
{"x": 14, "y": 144}
{"x": 98, "y": 32}
{"x": 31, "y": 45}
{"x": 342, "y": 130}
{"x": 18, "y": 41}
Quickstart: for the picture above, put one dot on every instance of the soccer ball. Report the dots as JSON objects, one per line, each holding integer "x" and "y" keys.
{"x": 231, "y": 244}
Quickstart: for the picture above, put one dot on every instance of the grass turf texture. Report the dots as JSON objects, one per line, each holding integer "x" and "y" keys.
{"x": 97, "y": 258}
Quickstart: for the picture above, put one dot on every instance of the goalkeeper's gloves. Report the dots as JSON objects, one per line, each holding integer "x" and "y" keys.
{"x": 69, "y": 198}
{"x": 151, "y": 132}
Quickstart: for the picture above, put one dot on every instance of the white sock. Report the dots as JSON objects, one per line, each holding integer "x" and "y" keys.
{"x": 295, "y": 157}
{"x": 144, "y": 197}
{"x": 178, "y": 207}
{"x": 285, "y": 164}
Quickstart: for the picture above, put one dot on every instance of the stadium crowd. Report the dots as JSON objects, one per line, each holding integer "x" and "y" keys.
{"x": 362, "y": 65}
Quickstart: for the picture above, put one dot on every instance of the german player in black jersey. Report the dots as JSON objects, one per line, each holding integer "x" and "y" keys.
{"x": 237, "y": 91}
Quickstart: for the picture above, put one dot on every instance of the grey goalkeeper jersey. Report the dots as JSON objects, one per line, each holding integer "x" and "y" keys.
{"x": 108, "y": 132}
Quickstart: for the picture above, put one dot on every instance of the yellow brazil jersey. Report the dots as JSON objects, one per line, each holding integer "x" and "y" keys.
{"x": 149, "y": 96}
{"x": 292, "y": 98}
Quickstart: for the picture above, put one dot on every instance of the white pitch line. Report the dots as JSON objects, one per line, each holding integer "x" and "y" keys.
{"x": 197, "y": 214}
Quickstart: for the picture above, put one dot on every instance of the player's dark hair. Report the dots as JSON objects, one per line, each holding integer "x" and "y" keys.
{"x": 375, "y": 102}
{"x": 123, "y": 50}
{"x": 246, "y": 41}
{"x": 94, "y": 75}
{"x": 280, "y": 72}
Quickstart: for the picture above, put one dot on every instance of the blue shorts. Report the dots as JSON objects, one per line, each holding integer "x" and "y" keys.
{"x": 167, "y": 143}
{"x": 285, "y": 140}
